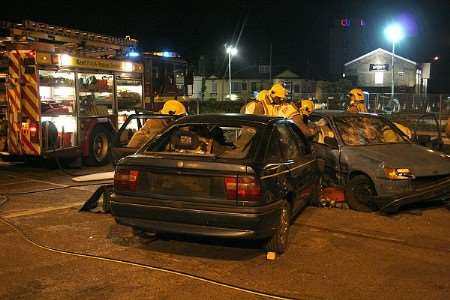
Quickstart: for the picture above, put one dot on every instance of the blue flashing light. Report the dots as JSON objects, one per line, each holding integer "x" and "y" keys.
{"x": 133, "y": 54}
{"x": 167, "y": 54}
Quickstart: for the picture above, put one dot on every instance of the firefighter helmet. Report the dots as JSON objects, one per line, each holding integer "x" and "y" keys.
{"x": 277, "y": 92}
{"x": 173, "y": 107}
{"x": 356, "y": 95}
{"x": 307, "y": 107}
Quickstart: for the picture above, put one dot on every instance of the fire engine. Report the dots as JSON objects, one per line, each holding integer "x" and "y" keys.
{"x": 63, "y": 93}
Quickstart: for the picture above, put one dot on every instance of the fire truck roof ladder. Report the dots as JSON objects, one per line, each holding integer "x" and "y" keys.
{"x": 86, "y": 42}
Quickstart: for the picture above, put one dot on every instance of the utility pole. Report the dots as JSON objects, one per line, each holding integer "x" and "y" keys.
{"x": 270, "y": 63}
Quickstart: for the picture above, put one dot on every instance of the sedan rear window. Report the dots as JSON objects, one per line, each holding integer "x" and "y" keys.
{"x": 231, "y": 142}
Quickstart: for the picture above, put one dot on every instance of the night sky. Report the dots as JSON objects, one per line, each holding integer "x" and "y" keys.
{"x": 298, "y": 30}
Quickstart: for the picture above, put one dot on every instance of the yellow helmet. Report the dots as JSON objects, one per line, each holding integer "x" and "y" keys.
{"x": 173, "y": 107}
{"x": 356, "y": 95}
{"x": 278, "y": 91}
{"x": 307, "y": 107}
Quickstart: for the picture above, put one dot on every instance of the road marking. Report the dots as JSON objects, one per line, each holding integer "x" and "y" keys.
{"x": 52, "y": 183}
{"x": 36, "y": 211}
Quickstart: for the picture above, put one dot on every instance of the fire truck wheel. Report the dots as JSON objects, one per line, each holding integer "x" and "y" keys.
{"x": 99, "y": 147}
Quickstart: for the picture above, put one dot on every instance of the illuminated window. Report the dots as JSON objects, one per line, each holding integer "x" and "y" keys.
{"x": 213, "y": 87}
{"x": 378, "y": 77}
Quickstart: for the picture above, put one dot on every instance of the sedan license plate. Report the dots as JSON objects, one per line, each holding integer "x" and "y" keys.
{"x": 179, "y": 185}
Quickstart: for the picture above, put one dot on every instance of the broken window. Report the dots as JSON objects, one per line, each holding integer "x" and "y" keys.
{"x": 232, "y": 142}
{"x": 358, "y": 131}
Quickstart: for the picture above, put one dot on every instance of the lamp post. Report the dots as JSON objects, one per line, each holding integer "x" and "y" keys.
{"x": 230, "y": 51}
{"x": 394, "y": 33}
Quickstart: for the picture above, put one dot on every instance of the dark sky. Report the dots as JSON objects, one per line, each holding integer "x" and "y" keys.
{"x": 298, "y": 30}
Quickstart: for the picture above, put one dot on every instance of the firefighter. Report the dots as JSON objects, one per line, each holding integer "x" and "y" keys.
{"x": 298, "y": 116}
{"x": 356, "y": 101}
{"x": 257, "y": 106}
{"x": 267, "y": 101}
{"x": 306, "y": 108}
{"x": 153, "y": 127}
{"x": 325, "y": 131}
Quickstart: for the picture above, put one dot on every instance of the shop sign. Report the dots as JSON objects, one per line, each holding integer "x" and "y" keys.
{"x": 379, "y": 67}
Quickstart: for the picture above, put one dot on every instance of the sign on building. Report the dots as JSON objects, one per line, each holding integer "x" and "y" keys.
{"x": 379, "y": 67}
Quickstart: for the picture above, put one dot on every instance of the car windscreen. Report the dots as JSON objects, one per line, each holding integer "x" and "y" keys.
{"x": 219, "y": 141}
{"x": 366, "y": 130}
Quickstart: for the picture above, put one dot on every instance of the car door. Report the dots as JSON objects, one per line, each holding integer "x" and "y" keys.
{"x": 303, "y": 171}
{"x": 327, "y": 149}
{"x": 133, "y": 124}
{"x": 276, "y": 168}
{"x": 427, "y": 132}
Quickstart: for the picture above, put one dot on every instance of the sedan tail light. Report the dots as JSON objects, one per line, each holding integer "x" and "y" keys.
{"x": 126, "y": 180}
{"x": 244, "y": 188}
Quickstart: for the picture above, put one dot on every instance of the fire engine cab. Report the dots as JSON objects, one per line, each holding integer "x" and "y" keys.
{"x": 58, "y": 98}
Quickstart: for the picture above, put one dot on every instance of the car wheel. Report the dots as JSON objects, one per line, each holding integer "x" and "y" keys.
{"x": 99, "y": 147}
{"x": 359, "y": 192}
{"x": 278, "y": 242}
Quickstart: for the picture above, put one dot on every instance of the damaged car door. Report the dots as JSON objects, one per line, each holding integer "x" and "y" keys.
{"x": 325, "y": 145}
{"x": 136, "y": 131}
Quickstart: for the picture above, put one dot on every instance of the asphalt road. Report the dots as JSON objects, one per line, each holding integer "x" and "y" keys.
{"x": 49, "y": 250}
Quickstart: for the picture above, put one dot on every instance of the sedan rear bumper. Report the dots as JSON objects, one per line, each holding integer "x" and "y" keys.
{"x": 437, "y": 191}
{"x": 188, "y": 218}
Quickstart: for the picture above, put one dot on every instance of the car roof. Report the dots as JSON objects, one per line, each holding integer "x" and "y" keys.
{"x": 341, "y": 113}
{"x": 229, "y": 118}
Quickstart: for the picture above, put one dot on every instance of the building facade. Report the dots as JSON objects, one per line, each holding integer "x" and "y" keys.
{"x": 373, "y": 72}
{"x": 246, "y": 87}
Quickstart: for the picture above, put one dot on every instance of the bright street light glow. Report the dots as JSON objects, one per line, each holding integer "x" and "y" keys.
{"x": 436, "y": 58}
{"x": 394, "y": 33}
{"x": 231, "y": 50}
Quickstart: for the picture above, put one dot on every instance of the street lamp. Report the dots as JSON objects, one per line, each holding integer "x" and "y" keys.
{"x": 231, "y": 51}
{"x": 394, "y": 33}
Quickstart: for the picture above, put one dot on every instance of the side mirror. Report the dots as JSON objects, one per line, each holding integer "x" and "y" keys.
{"x": 331, "y": 142}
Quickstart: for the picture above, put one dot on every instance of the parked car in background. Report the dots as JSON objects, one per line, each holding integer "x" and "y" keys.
{"x": 376, "y": 163}
{"x": 222, "y": 175}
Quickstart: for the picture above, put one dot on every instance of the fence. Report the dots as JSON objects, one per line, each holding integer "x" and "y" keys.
{"x": 383, "y": 103}
{"x": 376, "y": 103}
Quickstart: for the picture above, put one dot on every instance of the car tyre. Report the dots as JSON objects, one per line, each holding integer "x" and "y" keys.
{"x": 278, "y": 241}
{"x": 99, "y": 147}
{"x": 359, "y": 192}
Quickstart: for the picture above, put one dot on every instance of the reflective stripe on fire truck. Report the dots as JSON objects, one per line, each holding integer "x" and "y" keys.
{"x": 23, "y": 97}
{"x": 30, "y": 103}
{"x": 13, "y": 98}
